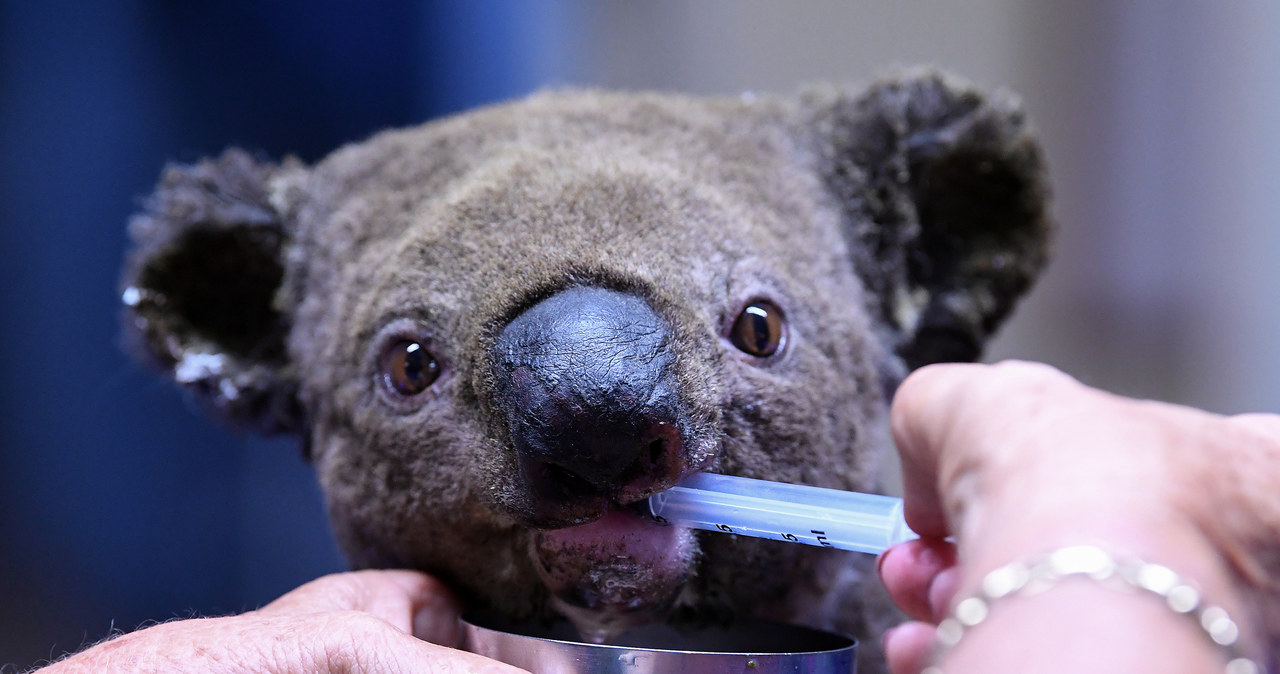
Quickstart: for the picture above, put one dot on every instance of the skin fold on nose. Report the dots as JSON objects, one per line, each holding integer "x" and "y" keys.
{"x": 585, "y": 379}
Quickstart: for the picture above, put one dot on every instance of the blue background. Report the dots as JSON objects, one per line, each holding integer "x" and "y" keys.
{"x": 120, "y": 502}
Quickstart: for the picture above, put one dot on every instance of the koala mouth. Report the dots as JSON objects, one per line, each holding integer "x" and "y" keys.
{"x": 616, "y": 572}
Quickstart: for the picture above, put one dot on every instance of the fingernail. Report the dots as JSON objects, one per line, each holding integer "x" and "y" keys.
{"x": 881, "y": 558}
{"x": 942, "y": 589}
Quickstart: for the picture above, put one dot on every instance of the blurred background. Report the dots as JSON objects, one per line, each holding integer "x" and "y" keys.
{"x": 120, "y": 503}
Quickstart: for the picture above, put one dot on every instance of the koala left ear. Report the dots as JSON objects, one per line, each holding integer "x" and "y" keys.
{"x": 946, "y": 200}
{"x": 201, "y": 289}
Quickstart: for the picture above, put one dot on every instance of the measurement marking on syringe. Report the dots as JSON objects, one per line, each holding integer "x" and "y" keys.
{"x": 822, "y": 538}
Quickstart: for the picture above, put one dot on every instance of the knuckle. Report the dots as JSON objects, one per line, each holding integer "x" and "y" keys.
{"x": 988, "y": 391}
{"x": 352, "y": 641}
{"x": 334, "y": 584}
{"x": 1025, "y": 390}
{"x": 923, "y": 388}
{"x": 359, "y": 622}
{"x": 1032, "y": 376}
{"x": 1260, "y": 428}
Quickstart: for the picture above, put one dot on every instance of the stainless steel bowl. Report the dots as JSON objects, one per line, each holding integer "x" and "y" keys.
{"x": 743, "y": 647}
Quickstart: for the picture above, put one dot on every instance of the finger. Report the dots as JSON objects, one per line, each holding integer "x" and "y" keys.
{"x": 277, "y": 642}
{"x": 413, "y": 602}
{"x": 910, "y": 570}
{"x": 1265, "y": 425}
{"x": 921, "y": 418}
{"x": 351, "y": 642}
{"x": 908, "y": 647}
{"x": 942, "y": 593}
{"x": 945, "y": 419}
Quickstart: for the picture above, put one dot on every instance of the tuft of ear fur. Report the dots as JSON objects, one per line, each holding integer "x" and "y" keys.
{"x": 946, "y": 195}
{"x": 201, "y": 289}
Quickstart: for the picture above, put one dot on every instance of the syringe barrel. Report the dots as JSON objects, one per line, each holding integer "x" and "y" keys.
{"x": 789, "y": 512}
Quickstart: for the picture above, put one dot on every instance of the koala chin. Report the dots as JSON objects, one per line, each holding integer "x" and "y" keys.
{"x": 498, "y": 333}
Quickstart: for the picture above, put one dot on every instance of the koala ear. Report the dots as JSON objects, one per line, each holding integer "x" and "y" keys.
{"x": 946, "y": 198}
{"x": 202, "y": 284}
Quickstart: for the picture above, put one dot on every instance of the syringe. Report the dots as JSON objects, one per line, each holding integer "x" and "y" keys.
{"x": 787, "y": 512}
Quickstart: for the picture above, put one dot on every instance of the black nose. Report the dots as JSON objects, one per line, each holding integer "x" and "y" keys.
{"x": 585, "y": 379}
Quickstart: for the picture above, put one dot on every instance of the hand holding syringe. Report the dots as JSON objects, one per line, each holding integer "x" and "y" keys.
{"x": 786, "y": 512}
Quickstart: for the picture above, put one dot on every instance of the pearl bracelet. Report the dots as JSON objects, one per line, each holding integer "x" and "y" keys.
{"x": 1039, "y": 573}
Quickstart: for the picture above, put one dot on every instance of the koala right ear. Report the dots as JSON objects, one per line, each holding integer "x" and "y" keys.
{"x": 946, "y": 196}
{"x": 202, "y": 284}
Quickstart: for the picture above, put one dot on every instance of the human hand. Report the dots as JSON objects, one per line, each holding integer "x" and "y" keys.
{"x": 350, "y": 623}
{"x": 1018, "y": 459}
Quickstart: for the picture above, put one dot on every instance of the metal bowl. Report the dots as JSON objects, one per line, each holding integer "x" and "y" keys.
{"x": 742, "y": 647}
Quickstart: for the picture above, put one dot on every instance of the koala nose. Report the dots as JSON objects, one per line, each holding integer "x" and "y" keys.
{"x": 586, "y": 382}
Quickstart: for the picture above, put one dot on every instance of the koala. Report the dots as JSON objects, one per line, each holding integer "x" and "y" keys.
{"x": 497, "y": 334}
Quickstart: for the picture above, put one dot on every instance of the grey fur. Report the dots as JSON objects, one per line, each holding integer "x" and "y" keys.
{"x": 894, "y": 226}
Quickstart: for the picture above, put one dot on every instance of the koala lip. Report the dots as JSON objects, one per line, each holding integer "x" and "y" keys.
{"x": 621, "y": 570}
{"x": 568, "y": 515}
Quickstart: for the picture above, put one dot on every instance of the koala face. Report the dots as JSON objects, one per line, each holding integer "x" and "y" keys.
{"x": 499, "y": 333}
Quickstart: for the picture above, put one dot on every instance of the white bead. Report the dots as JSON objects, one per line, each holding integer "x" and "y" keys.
{"x": 949, "y": 632}
{"x": 1082, "y": 559}
{"x": 1183, "y": 598}
{"x": 1005, "y": 580}
{"x": 1238, "y": 666}
{"x": 971, "y": 611}
{"x": 1156, "y": 578}
{"x": 1219, "y": 625}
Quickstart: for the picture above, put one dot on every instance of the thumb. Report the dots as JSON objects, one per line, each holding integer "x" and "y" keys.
{"x": 922, "y": 419}
{"x": 957, "y": 425}
{"x": 413, "y": 602}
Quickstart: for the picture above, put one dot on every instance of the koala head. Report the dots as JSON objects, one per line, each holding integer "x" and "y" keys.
{"x": 498, "y": 333}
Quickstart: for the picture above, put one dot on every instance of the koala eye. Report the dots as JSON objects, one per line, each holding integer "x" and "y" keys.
{"x": 759, "y": 330}
{"x": 408, "y": 368}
